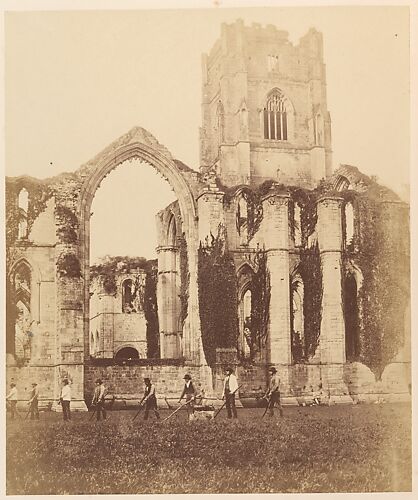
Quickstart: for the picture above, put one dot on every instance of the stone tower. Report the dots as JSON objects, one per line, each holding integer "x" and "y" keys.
{"x": 264, "y": 108}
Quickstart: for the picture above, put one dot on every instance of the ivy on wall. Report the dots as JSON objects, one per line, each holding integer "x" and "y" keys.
{"x": 310, "y": 271}
{"x": 68, "y": 224}
{"x": 151, "y": 310}
{"x": 253, "y": 197}
{"x": 383, "y": 258}
{"x": 38, "y": 195}
{"x": 218, "y": 296}
{"x": 184, "y": 278}
{"x": 108, "y": 270}
{"x": 68, "y": 266}
{"x": 260, "y": 304}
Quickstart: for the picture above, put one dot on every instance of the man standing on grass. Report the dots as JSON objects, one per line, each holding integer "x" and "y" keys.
{"x": 273, "y": 392}
{"x": 230, "y": 388}
{"x": 65, "y": 400}
{"x": 33, "y": 402}
{"x": 12, "y": 398}
{"x": 99, "y": 399}
{"x": 149, "y": 399}
{"x": 190, "y": 392}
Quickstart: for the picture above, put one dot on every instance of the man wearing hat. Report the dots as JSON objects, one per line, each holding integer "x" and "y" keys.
{"x": 190, "y": 392}
{"x": 230, "y": 388}
{"x": 65, "y": 399}
{"x": 12, "y": 398}
{"x": 149, "y": 399}
{"x": 99, "y": 399}
{"x": 273, "y": 392}
{"x": 33, "y": 402}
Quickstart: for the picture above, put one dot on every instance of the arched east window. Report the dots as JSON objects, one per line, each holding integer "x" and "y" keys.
{"x": 275, "y": 117}
{"x": 127, "y": 296}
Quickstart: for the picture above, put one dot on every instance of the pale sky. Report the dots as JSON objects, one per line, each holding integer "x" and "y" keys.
{"x": 75, "y": 81}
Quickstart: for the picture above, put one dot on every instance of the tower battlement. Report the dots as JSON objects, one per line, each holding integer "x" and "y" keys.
{"x": 264, "y": 105}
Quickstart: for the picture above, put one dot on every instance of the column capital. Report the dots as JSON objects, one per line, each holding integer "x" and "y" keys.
{"x": 330, "y": 199}
{"x": 167, "y": 248}
{"x": 273, "y": 198}
{"x": 210, "y": 194}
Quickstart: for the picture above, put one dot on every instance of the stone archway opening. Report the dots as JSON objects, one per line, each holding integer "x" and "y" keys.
{"x": 147, "y": 151}
{"x": 127, "y": 353}
{"x": 124, "y": 271}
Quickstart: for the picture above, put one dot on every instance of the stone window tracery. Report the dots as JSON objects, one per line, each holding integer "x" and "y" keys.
{"x": 23, "y": 325}
{"x": 275, "y": 117}
{"x": 127, "y": 296}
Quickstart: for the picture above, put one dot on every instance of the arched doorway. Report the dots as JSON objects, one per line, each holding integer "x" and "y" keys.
{"x": 127, "y": 353}
{"x": 140, "y": 144}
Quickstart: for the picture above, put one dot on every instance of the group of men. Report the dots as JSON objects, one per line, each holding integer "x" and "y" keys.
{"x": 12, "y": 399}
{"x": 149, "y": 400}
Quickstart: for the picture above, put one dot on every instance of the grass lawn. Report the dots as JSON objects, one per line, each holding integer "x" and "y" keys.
{"x": 362, "y": 448}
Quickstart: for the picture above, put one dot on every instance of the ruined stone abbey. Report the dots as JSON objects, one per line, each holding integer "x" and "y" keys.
{"x": 269, "y": 256}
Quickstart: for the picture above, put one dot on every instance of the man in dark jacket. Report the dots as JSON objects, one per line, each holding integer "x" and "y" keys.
{"x": 99, "y": 399}
{"x": 273, "y": 392}
{"x": 33, "y": 402}
{"x": 190, "y": 392}
{"x": 149, "y": 399}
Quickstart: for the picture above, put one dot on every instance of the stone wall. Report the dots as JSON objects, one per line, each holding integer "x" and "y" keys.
{"x": 125, "y": 381}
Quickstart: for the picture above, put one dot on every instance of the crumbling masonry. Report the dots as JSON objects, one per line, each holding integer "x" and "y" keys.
{"x": 266, "y": 188}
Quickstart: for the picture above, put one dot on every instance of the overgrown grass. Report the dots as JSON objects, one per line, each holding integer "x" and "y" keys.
{"x": 361, "y": 448}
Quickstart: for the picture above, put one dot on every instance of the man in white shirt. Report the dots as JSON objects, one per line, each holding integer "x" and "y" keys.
{"x": 230, "y": 388}
{"x": 12, "y": 398}
{"x": 65, "y": 399}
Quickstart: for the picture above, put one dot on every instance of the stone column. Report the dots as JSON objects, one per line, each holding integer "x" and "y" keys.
{"x": 168, "y": 301}
{"x": 70, "y": 345}
{"x": 107, "y": 325}
{"x": 211, "y": 216}
{"x": 332, "y": 337}
{"x": 276, "y": 240}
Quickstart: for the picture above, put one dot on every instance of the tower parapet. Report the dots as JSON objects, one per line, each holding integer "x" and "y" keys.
{"x": 264, "y": 107}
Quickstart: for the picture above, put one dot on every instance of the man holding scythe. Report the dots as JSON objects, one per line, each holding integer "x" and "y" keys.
{"x": 230, "y": 389}
{"x": 273, "y": 392}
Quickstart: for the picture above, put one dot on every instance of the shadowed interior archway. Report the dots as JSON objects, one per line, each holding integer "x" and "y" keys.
{"x": 139, "y": 144}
